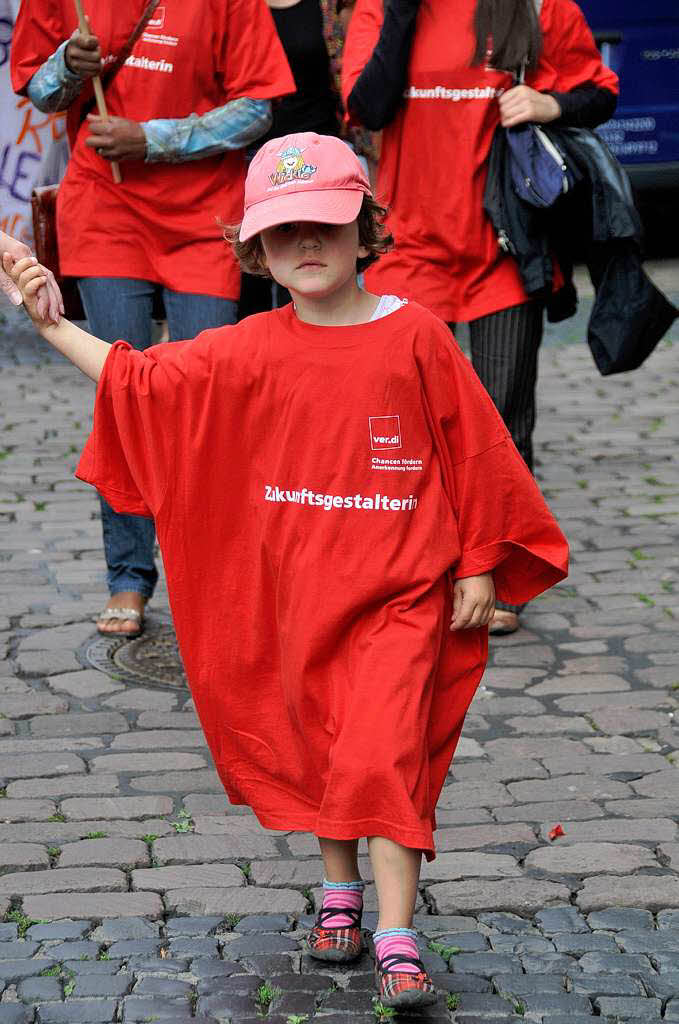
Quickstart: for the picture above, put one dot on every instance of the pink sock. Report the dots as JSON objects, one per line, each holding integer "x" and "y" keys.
{"x": 337, "y": 895}
{"x": 397, "y": 941}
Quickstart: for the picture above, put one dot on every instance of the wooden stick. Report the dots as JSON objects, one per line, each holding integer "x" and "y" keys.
{"x": 96, "y": 82}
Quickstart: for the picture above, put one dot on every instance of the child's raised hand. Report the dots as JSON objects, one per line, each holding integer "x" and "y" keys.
{"x": 29, "y": 276}
{"x": 473, "y": 601}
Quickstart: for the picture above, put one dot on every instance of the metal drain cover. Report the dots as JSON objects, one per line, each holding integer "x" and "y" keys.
{"x": 151, "y": 659}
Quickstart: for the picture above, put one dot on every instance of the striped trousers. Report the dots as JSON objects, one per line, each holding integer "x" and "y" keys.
{"x": 504, "y": 352}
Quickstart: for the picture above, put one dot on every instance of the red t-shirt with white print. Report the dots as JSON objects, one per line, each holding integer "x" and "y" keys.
{"x": 311, "y": 488}
{"x": 161, "y": 223}
{"x": 433, "y": 167}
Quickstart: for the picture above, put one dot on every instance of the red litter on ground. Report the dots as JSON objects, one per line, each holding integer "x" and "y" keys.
{"x": 555, "y": 832}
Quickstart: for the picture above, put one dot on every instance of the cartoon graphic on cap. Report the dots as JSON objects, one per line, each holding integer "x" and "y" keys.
{"x": 291, "y": 166}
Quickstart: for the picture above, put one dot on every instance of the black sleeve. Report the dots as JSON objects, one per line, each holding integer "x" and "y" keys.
{"x": 378, "y": 91}
{"x": 584, "y": 107}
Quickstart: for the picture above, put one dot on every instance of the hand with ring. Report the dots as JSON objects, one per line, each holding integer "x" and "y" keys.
{"x": 116, "y": 138}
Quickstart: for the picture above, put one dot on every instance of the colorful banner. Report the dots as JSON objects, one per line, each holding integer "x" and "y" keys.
{"x": 33, "y": 146}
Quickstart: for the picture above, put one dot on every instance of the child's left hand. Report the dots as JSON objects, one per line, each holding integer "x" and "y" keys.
{"x": 473, "y": 601}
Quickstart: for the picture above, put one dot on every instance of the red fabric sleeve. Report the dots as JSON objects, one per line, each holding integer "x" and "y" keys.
{"x": 569, "y": 50}
{"x": 37, "y": 33}
{"x": 362, "y": 36}
{"x": 248, "y": 51}
{"x": 503, "y": 521}
{"x": 143, "y": 406}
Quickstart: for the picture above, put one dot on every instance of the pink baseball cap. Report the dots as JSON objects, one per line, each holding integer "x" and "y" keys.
{"x": 303, "y": 177}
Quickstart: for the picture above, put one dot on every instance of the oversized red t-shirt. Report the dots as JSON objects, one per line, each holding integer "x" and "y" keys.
{"x": 312, "y": 487}
{"x": 433, "y": 167}
{"x": 161, "y": 223}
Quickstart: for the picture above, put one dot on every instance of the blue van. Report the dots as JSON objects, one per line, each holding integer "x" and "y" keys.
{"x": 640, "y": 42}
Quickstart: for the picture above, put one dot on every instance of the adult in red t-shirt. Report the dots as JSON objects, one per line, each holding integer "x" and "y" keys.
{"x": 438, "y": 78}
{"x": 194, "y": 90}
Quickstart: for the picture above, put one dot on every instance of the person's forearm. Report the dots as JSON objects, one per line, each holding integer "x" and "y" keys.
{"x": 584, "y": 107}
{"x": 84, "y": 350}
{"x": 378, "y": 91}
{"x": 53, "y": 86}
{"x": 233, "y": 126}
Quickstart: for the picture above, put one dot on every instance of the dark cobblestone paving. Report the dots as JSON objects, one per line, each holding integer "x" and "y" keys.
{"x": 130, "y": 891}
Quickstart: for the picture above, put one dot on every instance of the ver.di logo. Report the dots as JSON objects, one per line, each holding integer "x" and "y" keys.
{"x": 385, "y": 433}
{"x": 157, "y": 20}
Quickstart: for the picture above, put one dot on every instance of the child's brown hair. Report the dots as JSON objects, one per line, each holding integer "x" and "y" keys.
{"x": 371, "y": 233}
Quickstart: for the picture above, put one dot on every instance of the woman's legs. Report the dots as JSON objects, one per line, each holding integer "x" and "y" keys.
{"x": 504, "y": 350}
{"x": 120, "y": 308}
{"x": 255, "y": 295}
{"x": 259, "y": 295}
{"x": 189, "y": 314}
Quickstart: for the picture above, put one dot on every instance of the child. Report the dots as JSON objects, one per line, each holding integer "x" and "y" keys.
{"x": 337, "y": 502}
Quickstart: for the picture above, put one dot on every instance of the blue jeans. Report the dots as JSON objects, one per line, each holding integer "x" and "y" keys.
{"x": 121, "y": 307}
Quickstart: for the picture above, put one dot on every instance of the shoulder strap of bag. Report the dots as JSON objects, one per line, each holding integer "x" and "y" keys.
{"x": 520, "y": 75}
{"x": 114, "y": 68}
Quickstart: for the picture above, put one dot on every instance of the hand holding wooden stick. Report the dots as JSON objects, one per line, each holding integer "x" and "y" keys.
{"x": 96, "y": 82}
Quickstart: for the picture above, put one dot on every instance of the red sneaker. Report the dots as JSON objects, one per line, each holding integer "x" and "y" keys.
{"x": 337, "y": 944}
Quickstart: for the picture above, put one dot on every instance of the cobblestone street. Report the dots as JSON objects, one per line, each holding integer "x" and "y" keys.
{"x": 130, "y": 891}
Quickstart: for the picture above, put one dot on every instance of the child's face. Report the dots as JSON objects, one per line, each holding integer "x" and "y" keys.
{"x": 310, "y": 259}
